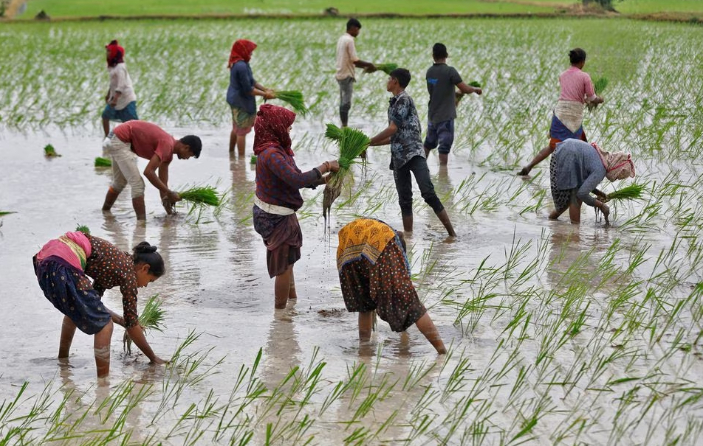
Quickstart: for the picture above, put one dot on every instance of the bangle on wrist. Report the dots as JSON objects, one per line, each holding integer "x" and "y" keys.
{"x": 317, "y": 171}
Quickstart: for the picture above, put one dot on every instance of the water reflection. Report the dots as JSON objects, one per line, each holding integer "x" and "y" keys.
{"x": 282, "y": 350}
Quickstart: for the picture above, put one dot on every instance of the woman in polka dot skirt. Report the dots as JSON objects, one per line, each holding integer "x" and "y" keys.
{"x": 63, "y": 267}
{"x": 375, "y": 276}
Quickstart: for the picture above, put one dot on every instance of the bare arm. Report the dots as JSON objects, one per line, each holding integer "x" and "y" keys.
{"x": 384, "y": 137}
{"x": 150, "y": 174}
{"x": 468, "y": 89}
{"x": 137, "y": 334}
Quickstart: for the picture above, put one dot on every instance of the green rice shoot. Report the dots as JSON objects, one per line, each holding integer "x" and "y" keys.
{"x": 252, "y": 160}
{"x": 631, "y": 192}
{"x": 206, "y": 195}
{"x": 83, "y": 228}
{"x": 294, "y": 98}
{"x": 103, "y": 162}
{"x": 600, "y": 85}
{"x": 50, "y": 151}
{"x": 351, "y": 144}
{"x": 386, "y": 67}
{"x": 151, "y": 318}
{"x": 333, "y": 132}
{"x": 2, "y": 213}
{"x": 474, "y": 84}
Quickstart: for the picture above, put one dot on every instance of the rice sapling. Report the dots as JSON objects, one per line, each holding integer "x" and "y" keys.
{"x": 294, "y": 98}
{"x": 631, "y": 192}
{"x": 598, "y": 87}
{"x": 83, "y": 228}
{"x": 2, "y": 213}
{"x": 351, "y": 144}
{"x": 152, "y": 318}
{"x": 50, "y": 152}
{"x": 333, "y": 132}
{"x": 103, "y": 162}
{"x": 386, "y": 67}
{"x": 252, "y": 160}
{"x": 206, "y": 195}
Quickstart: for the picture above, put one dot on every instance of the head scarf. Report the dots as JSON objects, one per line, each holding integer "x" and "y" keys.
{"x": 271, "y": 128}
{"x": 115, "y": 53}
{"x": 241, "y": 50}
{"x": 618, "y": 165}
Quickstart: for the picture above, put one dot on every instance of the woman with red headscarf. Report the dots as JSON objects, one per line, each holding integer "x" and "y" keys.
{"x": 120, "y": 98}
{"x": 240, "y": 94}
{"x": 278, "y": 181}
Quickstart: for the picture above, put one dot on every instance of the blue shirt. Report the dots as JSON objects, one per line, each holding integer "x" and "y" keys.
{"x": 241, "y": 82}
{"x": 406, "y": 143}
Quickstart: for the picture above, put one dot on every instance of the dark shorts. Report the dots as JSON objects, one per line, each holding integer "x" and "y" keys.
{"x": 440, "y": 134}
{"x": 129, "y": 113}
{"x": 384, "y": 287}
{"x": 70, "y": 291}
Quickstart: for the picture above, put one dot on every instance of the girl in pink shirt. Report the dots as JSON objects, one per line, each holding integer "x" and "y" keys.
{"x": 576, "y": 90}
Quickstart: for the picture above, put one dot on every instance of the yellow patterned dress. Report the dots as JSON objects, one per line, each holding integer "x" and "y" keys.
{"x": 374, "y": 273}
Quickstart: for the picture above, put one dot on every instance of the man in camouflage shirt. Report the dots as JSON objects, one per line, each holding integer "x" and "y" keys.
{"x": 407, "y": 152}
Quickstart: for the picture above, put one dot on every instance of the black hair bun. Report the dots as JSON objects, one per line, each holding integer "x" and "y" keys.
{"x": 144, "y": 248}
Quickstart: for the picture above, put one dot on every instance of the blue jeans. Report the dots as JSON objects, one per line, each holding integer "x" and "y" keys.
{"x": 442, "y": 134}
{"x": 419, "y": 169}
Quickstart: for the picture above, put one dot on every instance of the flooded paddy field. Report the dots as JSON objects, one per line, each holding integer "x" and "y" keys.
{"x": 558, "y": 334}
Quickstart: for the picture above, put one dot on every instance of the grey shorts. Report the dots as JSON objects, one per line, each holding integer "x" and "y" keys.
{"x": 346, "y": 88}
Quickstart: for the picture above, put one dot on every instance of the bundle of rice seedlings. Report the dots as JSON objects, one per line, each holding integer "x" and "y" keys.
{"x": 6, "y": 213}
{"x": 49, "y": 151}
{"x": 475, "y": 84}
{"x": 152, "y": 318}
{"x": 83, "y": 228}
{"x": 598, "y": 87}
{"x": 459, "y": 95}
{"x": 294, "y": 98}
{"x": 103, "y": 162}
{"x": 386, "y": 67}
{"x": 631, "y": 192}
{"x": 252, "y": 160}
{"x": 333, "y": 132}
{"x": 351, "y": 144}
{"x": 206, "y": 195}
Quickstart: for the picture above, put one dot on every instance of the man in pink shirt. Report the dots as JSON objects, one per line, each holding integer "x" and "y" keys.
{"x": 576, "y": 90}
{"x": 145, "y": 140}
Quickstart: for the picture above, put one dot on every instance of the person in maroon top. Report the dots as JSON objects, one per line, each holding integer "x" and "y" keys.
{"x": 145, "y": 140}
{"x": 278, "y": 180}
{"x": 63, "y": 267}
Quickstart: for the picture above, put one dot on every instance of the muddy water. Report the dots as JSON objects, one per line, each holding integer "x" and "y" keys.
{"x": 217, "y": 284}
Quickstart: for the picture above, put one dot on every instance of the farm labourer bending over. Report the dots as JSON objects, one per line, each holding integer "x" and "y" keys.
{"x": 278, "y": 181}
{"x": 145, "y": 140}
{"x": 407, "y": 153}
{"x": 241, "y": 94}
{"x": 375, "y": 277}
{"x": 63, "y": 268}
{"x": 441, "y": 83}
{"x": 120, "y": 98}
{"x": 576, "y": 90}
{"x": 347, "y": 62}
{"x": 576, "y": 169}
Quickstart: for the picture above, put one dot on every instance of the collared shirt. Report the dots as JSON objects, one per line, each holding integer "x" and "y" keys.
{"x": 346, "y": 56}
{"x": 406, "y": 143}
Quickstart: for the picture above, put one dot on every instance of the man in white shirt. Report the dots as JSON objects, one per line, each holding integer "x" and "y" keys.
{"x": 347, "y": 61}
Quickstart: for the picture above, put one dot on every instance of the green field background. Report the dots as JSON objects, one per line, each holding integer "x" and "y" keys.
{"x": 80, "y": 8}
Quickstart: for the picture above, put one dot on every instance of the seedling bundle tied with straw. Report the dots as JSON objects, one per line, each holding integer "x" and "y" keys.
{"x": 152, "y": 318}
{"x": 351, "y": 144}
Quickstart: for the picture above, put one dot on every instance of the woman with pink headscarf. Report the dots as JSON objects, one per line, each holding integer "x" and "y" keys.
{"x": 576, "y": 170}
{"x": 240, "y": 94}
{"x": 120, "y": 98}
{"x": 278, "y": 184}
